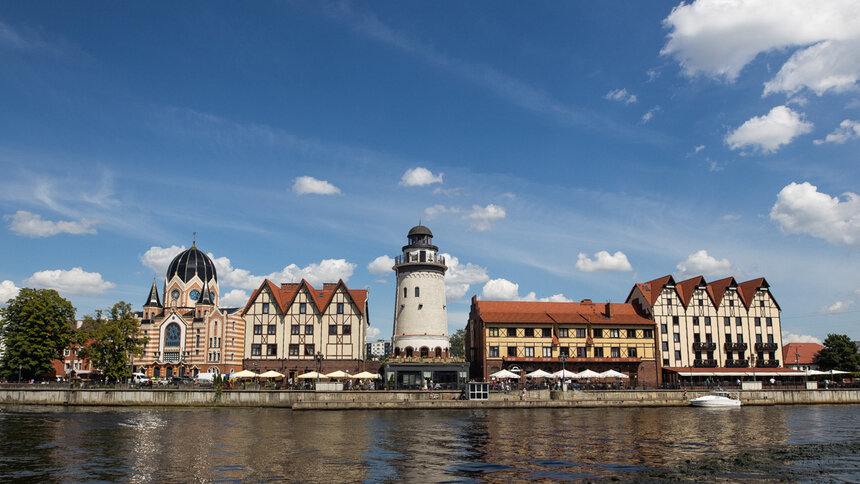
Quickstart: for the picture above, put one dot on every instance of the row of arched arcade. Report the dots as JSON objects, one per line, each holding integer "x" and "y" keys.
{"x": 423, "y": 352}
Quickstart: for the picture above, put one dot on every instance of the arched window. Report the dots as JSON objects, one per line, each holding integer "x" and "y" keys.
{"x": 438, "y": 352}
{"x": 214, "y": 370}
{"x": 172, "y": 335}
{"x": 409, "y": 352}
{"x": 396, "y": 351}
{"x": 425, "y": 351}
{"x": 156, "y": 372}
{"x": 417, "y": 292}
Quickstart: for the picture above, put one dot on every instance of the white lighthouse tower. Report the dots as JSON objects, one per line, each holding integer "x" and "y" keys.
{"x": 420, "y": 313}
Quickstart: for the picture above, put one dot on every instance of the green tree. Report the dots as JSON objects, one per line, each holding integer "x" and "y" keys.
{"x": 458, "y": 343}
{"x": 35, "y": 327}
{"x": 113, "y": 340}
{"x": 839, "y": 353}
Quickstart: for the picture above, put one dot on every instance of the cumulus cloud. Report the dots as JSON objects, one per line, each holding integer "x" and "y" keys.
{"x": 460, "y": 277}
{"x": 730, "y": 217}
{"x": 419, "y": 176}
{"x": 650, "y": 114}
{"x": 381, "y": 265}
{"x": 717, "y": 38}
{"x": 158, "y": 258}
{"x": 838, "y": 306}
{"x": 767, "y": 133}
{"x": 432, "y": 212}
{"x": 328, "y": 270}
{"x": 236, "y": 298}
{"x": 699, "y": 148}
{"x": 8, "y": 290}
{"x": 802, "y": 209}
{"x": 702, "y": 263}
{"x": 73, "y": 282}
{"x": 603, "y": 261}
{"x": 505, "y": 290}
{"x": 620, "y": 95}
{"x": 798, "y": 338}
{"x": 308, "y": 185}
{"x": 373, "y": 332}
{"x": 847, "y": 130}
{"x": 32, "y": 225}
{"x": 483, "y": 218}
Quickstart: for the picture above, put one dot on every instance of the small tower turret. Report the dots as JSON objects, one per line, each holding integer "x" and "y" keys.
{"x": 153, "y": 302}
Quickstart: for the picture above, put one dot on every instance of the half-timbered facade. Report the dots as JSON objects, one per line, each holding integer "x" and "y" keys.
{"x": 721, "y": 324}
{"x": 292, "y": 326}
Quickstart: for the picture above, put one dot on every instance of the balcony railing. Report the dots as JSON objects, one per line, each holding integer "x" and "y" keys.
{"x": 417, "y": 259}
{"x": 705, "y": 363}
{"x": 737, "y": 363}
{"x": 766, "y": 346}
{"x": 736, "y": 346}
{"x": 767, "y": 364}
{"x": 704, "y": 346}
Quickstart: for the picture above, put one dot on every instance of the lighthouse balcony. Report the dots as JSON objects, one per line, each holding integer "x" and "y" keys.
{"x": 419, "y": 259}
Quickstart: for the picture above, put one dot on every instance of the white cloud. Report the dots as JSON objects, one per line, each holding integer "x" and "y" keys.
{"x": 32, "y": 225}
{"x": 801, "y": 208}
{"x": 620, "y": 95}
{"x": 505, "y": 290}
{"x": 419, "y": 176}
{"x": 847, "y": 130}
{"x": 448, "y": 192}
{"x": 72, "y": 282}
{"x": 305, "y": 185}
{"x": 158, "y": 258}
{"x": 373, "y": 333}
{"x": 717, "y": 38}
{"x": 432, "y": 212}
{"x": 730, "y": 217}
{"x": 328, "y": 270}
{"x": 381, "y": 265}
{"x": 236, "y": 298}
{"x": 603, "y": 261}
{"x": 8, "y": 290}
{"x": 483, "y": 218}
{"x": 767, "y": 133}
{"x": 701, "y": 263}
{"x": 650, "y": 114}
{"x": 838, "y": 307}
{"x": 798, "y": 338}
{"x": 460, "y": 277}
{"x": 699, "y": 148}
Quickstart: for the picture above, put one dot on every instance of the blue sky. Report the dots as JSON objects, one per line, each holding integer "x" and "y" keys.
{"x": 556, "y": 150}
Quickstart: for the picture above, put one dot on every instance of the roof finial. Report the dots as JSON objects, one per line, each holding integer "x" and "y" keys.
{"x": 194, "y": 240}
{"x": 419, "y": 220}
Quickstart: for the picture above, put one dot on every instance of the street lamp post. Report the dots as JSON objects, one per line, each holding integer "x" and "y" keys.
{"x": 20, "y": 367}
{"x": 563, "y": 358}
{"x": 318, "y": 357}
{"x": 752, "y": 364}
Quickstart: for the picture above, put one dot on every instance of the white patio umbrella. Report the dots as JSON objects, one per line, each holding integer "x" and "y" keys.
{"x": 366, "y": 375}
{"x": 612, "y": 374}
{"x": 539, "y": 374}
{"x": 271, "y": 374}
{"x": 816, "y": 373}
{"x": 243, "y": 374}
{"x": 587, "y": 374}
{"x": 338, "y": 374}
{"x": 564, "y": 374}
{"x": 311, "y": 375}
{"x": 504, "y": 375}
{"x": 837, "y": 372}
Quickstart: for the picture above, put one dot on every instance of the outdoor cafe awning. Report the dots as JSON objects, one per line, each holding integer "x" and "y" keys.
{"x": 734, "y": 372}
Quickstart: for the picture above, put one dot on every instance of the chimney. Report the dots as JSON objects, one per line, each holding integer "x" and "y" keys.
{"x": 608, "y": 306}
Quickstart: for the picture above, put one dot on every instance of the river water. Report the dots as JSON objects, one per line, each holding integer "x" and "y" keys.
{"x": 794, "y": 443}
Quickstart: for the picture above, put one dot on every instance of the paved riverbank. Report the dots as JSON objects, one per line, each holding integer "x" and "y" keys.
{"x": 309, "y": 400}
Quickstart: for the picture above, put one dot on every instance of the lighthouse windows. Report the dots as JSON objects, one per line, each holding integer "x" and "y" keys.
{"x": 404, "y": 292}
{"x": 417, "y": 291}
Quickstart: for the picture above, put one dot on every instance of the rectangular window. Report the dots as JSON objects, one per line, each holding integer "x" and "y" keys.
{"x": 332, "y": 329}
{"x": 562, "y": 332}
{"x": 665, "y": 361}
{"x": 417, "y": 292}
{"x": 404, "y": 292}
{"x": 512, "y": 332}
{"x": 677, "y": 337}
{"x": 758, "y": 338}
{"x": 294, "y": 350}
{"x": 664, "y": 329}
{"x": 598, "y": 352}
{"x": 675, "y": 320}
{"x": 707, "y": 320}
{"x": 309, "y": 350}
{"x": 668, "y": 301}
{"x": 580, "y": 332}
{"x": 265, "y": 308}
{"x": 347, "y": 329}
{"x": 696, "y": 338}
{"x": 631, "y": 352}
{"x": 768, "y": 321}
{"x": 761, "y": 303}
{"x": 494, "y": 351}
{"x": 258, "y": 329}
{"x": 256, "y": 350}
{"x": 512, "y": 351}
{"x": 665, "y": 346}
{"x": 272, "y": 329}
{"x": 695, "y": 320}
{"x": 529, "y": 332}
{"x": 701, "y": 302}
{"x": 647, "y": 333}
{"x": 615, "y": 352}
{"x": 598, "y": 333}
{"x": 271, "y": 350}
{"x": 614, "y": 333}
{"x": 530, "y": 351}
{"x": 303, "y": 308}
{"x": 708, "y": 337}
{"x": 677, "y": 354}
{"x": 309, "y": 329}
{"x": 198, "y": 340}
{"x": 740, "y": 338}
{"x": 492, "y": 332}
{"x": 563, "y": 351}
{"x": 727, "y": 321}
{"x": 295, "y": 329}
{"x": 738, "y": 321}
{"x": 758, "y": 321}
{"x": 547, "y": 352}
{"x": 731, "y": 303}
{"x": 631, "y": 333}
{"x": 728, "y": 338}
{"x": 580, "y": 352}
{"x": 770, "y": 338}
{"x": 340, "y": 308}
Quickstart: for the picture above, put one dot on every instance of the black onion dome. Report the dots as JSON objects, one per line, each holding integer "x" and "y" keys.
{"x": 191, "y": 262}
{"x": 419, "y": 230}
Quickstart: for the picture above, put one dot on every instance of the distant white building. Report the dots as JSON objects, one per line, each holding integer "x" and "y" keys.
{"x": 377, "y": 350}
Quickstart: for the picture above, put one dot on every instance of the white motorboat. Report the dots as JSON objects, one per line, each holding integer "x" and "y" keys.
{"x": 717, "y": 399}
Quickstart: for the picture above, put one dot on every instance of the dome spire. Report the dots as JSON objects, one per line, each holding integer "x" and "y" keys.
{"x": 153, "y": 299}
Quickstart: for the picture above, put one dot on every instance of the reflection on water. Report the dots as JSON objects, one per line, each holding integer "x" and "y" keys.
{"x": 160, "y": 445}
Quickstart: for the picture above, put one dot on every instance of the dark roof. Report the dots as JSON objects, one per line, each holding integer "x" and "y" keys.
{"x": 153, "y": 300}
{"x": 558, "y": 312}
{"x": 419, "y": 230}
{"x": 191, "y": 262}
{"x": 205, "y": 299}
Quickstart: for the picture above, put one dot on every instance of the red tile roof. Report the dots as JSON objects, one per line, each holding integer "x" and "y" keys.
{"x": 558, "y": 312}
{"x": 717, "y": 289}
{"x": 687, "y": 288}
{"x": 320, "y": 298}
{"x": 800, "y": 353}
